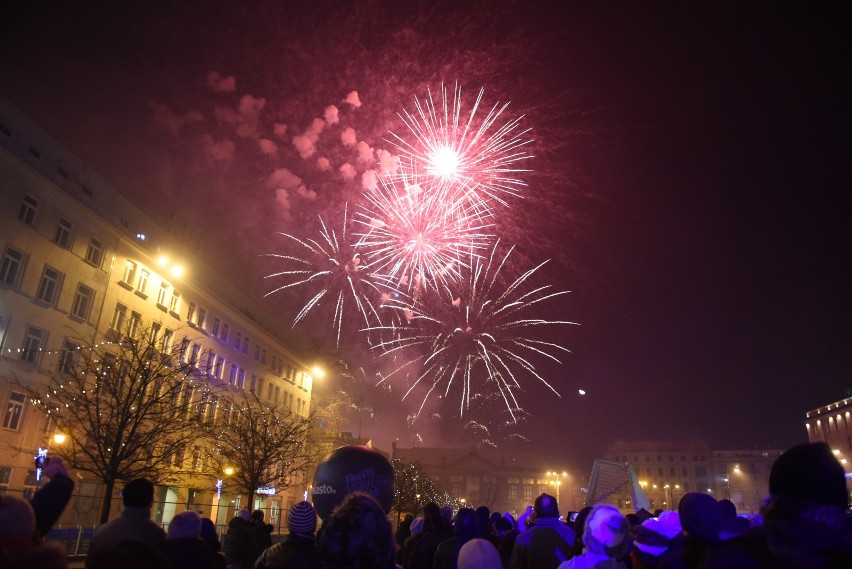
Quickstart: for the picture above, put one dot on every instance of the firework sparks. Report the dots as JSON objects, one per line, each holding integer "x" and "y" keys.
{"x": 476, "y": 335}
{"x": 417, "y": 236}
{"x": 480, "y": 156}
{"x": 337, "y": 268}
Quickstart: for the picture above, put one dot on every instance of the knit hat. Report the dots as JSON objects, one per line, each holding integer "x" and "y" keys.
{"x": 245, "y": 514}
{"x": 185, "y": 524}
{"x": 650, "y": 538}
{"x": 606, "y": 531}
{"x": 302, "y": 518}
{"x": 479, "y": 554}
{"x": 810, "y": 473}
{"x": 670, "y": 524}
{"x": 700, "y": 515}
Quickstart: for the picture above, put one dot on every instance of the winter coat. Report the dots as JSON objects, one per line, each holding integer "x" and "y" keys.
{"x": 187, "y": 553}
{"x": 543, "y": 546}
{"x": 295, "y": 551}
{"x": 134, "y": 524}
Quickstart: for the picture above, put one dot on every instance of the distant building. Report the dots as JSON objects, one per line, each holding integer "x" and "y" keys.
{"x": 669, "y": 469}
{"x": 503, "y": 480}
{"x": 832, "y": 424}
{"x": 77, "y": 260}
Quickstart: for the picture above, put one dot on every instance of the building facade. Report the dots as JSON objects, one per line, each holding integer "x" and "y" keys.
{"x": 78, "y": 261}
{"x": 669, "y": 469}
{"x": 832, "y": 424}
{"x": 505, "y": 481}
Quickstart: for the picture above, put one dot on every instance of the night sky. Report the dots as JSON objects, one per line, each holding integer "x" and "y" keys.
{"x": 691, "y": 182}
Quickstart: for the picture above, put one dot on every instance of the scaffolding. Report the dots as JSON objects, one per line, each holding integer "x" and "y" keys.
{"x": 609, "y": 477}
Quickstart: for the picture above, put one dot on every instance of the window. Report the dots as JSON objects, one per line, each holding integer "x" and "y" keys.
{"x": 83, "y": 300}
{"x": 211, "y": 409}
{"x": 5, "y": 478}
{"x": 174, "y": 303}
{"x": 269, "y": 388}
{"x": 3, "y": 320}
{"x": 30, "y": 485}
{"x": 528, "y": 492}
{"x": 257, "y": 352}
{"x": 32, "y": 345}
{"x": 184, "y": 349}
{"x": 68, "y": 358}
{"x": 142, "y": 285}
{"x": 217, "y": 325}
{"x": 196, "y": 459}
{"x": 119, "y": 317}
{"x": 238, "y": 342}
{"x": 133, "y": 326}
{"x": 62, "y": 235}
{"x": 48, "y": 287}
{"x": 246, "y": 343}
{"x": 10, "y": 271}
{"x": 14, "y": 410}
{"x": 190, "y": 315}
{"x": 263, "y": 356}
{"x": 167, "y": 341}
{"x": 226, "y": 330}
{"x": 513, "y": 492}
{"x": 253, "y": 383}
{"x": 162, "y": 294}
{"x": 28, "y": 210}
{"x": 241, "y": 381}
{"x": 95, "y": 253}
{"x": 217, "y": 367}
{"x": 225, "y": 416}
{"x": 193, "y": 358}
{"x": 202, "y": 317}
{"x": 232, "y": 378}
{"x": 129, "y": 272}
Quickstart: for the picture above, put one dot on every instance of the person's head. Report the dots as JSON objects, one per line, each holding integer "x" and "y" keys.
{"x": 257, "y": 516}
{"x": 546, "y": 507}
{"x": 447, "y": 513}
{"x": 478, "y": 554}
{"x": 606, "y": 531}
{"x": 670, "y": 523}
{"x": 700, "y": 516}
{"x": 502, "y": 526}
{"x": 185, "y": 525}
{"x": 17, "y": 519}
{"x": 809, "y": 473}
{"x": 728, "y": 509}
{"x": 138, "y": 493}
{"x": 209, "y": 535}
{"x": 466, "y": 524}
{"x": 580, "y": 522}
{"x": 302, "y": 519}
{"x": 357, "y": 535}
{"x": 408, "y": 519}
{"x": 650, "y": 538}
{"x": 483, "y": 514}
{"x": 244, "y": 515}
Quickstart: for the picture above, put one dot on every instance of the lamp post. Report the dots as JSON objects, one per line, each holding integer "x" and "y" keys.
{"x": 556, "y": 482}
{"x": 214, "y": 514}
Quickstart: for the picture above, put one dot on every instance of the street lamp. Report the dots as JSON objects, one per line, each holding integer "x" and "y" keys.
{"x": 556, "y": 481}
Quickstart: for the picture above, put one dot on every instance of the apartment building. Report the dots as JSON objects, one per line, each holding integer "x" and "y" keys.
{"x": 79, "y": 261}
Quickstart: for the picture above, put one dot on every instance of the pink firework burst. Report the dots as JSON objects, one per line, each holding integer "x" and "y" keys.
{"x": 482, "y": 156}
{"x": 336, "y": 267}
{"x": 478, "y": 335}
{"x": 417, "y": 235}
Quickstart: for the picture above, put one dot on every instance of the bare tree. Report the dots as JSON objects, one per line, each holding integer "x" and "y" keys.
{"x": 266, "y": 445}
{"x": 126, "y": 407}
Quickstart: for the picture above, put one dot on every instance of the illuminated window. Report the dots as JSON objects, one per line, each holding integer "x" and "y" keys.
{"x": 528, "y": 492}
{"x": 28, "y": 209}
{"x": 174, "y": 303}
{"x": 142, "y": 285}
{"x": 83, "y": 300}
{"x": 68, "y": 358}
{"x": 162, "y": 294}
{"x": 119, "y": 317}
{"x": 11, "y": 269}
{"x": 48, "y": 287}
{"x": 62, "y": 235}
{"x": 33, "y": 342}
{"x": 95, "y": 253}
{"x": 129, "y": 272}
{"x": 513, "y": 492}
{"x": 167, "y": 341}
{"x": 14, "y": 411}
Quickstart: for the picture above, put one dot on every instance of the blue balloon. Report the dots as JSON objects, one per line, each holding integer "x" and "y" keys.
{"x": 350, "y": 469}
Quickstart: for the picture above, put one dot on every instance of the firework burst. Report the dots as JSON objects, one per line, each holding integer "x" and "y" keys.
{"x": 416, "y": 236}
{"x": 481, "y": 156}
{"x": 336, "y": 267}
{"x": 476, "y": 335}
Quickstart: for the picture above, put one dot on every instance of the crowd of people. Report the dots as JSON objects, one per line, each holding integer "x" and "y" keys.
{"x": 804, "y": 523}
